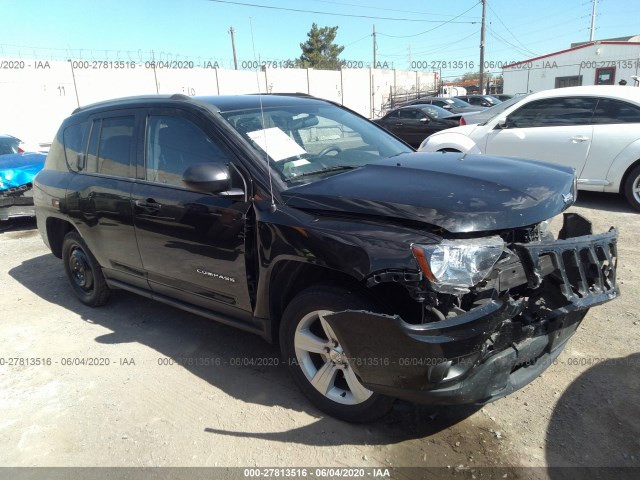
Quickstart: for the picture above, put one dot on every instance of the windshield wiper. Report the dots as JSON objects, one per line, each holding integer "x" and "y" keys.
{"x": 335, "y": 168}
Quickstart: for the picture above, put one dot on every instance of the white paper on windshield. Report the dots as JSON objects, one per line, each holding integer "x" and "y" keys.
{"x": 277, "y": 144}
{"x": 299, "y": 163}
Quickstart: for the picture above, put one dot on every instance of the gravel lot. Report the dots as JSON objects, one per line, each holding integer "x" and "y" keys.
{"x": 152, "y": 406}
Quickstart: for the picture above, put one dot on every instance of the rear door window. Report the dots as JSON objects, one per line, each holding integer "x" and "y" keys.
{"x": 111, "y": 145}
{"x": 409, "y": 113}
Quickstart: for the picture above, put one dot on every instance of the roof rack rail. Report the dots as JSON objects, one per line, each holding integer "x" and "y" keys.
{"x": 288, "y": 94}
{"x": 175, "y": 96}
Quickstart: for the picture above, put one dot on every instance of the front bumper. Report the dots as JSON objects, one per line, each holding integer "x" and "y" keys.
{"x": 18, "y": 202}
{"x": 497, "y": 347}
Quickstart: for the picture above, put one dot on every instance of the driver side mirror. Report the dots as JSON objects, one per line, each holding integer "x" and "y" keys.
{"x": 424, "y": 120}
{"x": 502, "y": 124}
{"x": 207, "y": 178}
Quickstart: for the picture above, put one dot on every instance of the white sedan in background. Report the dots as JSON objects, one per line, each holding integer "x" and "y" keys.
{"x": 594, "y": 129}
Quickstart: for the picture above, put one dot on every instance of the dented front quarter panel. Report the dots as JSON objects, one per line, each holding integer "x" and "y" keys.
{"x": 358, "y": 248}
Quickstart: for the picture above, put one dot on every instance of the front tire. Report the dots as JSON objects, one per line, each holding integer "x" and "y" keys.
{"x": 632, "y": 188}
{"x": 316, "y": 360}
{"x": 83, "y": 271}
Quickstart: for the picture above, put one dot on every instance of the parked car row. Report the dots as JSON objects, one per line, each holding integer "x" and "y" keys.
{"x": 487, "y": 113}
{"x": 452, "y": 104}
{"x": 414, "y": 123}
{"x": 480, "y": 100}
{"x": 423, "y": 117}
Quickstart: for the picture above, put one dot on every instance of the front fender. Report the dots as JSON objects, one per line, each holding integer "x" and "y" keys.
{"x": 620, "y": 165}
{"x": 354, "y": 249}
{"x": 449, "y": 141}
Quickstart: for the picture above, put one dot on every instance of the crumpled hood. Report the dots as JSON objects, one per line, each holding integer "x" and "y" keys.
{"x": 19, "y": 168}
{"x": 449, "y": 190}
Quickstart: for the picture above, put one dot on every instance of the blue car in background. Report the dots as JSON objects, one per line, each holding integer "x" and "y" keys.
{"x": 17, "y": 171}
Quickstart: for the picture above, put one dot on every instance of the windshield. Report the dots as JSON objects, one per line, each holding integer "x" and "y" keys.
{"x": 435, "y": 112}
{"x": 306, "y": 142}
{"x": 9, "y": 145}
{"x": 458, "y": 103}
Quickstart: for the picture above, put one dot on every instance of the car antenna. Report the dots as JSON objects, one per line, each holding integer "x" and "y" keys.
{"x": 272, "y": 208}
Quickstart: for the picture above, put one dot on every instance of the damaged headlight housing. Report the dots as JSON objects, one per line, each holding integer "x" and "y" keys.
{"x": 453, "y": 266}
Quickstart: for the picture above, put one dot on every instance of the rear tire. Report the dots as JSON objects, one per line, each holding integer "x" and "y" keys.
{"x": 83, "y": 271}
{"x": 632, "y": 188}
{"x": 315, "y": 359}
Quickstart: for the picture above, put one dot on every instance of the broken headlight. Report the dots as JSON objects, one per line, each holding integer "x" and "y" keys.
{"x": 453, "y": 266}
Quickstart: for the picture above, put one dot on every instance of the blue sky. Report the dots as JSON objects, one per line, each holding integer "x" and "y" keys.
{"x": 412, "y": 31}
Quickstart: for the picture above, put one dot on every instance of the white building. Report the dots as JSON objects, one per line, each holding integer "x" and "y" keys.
{"x": 602, "y": 62}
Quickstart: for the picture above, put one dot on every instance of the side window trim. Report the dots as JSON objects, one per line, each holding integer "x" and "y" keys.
{"x": 96, "y": 124}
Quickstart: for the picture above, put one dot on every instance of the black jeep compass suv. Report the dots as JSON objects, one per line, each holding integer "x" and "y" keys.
{"x": 383, "y": 273}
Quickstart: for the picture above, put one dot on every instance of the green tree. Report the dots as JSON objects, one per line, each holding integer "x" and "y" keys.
{"x": 476, "y": 76}
{"x": 319, "y": 51}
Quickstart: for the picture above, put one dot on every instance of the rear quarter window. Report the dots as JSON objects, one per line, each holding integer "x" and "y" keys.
{"x": 110, "y": 145}
{"x": 611, "y": 111}
{"x": 75, "y": 140}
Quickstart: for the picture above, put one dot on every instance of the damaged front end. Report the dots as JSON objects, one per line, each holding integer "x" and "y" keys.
{"x": 17, "y": 172}
{"x": 495, "y": 315}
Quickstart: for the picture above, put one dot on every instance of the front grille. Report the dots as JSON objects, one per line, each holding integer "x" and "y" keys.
{"x": 16, "y": 191}
{"x": 585, "y": 265}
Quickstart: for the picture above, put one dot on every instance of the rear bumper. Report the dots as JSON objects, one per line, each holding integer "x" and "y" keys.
{"x": 491, "y": 350}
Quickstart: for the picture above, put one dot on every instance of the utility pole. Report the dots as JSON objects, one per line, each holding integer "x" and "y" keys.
{"x": 593, "y": 21}
{"x": 484, "y": 14}
{"x": 233, "y": 45}
{"x": 374, "y": 45}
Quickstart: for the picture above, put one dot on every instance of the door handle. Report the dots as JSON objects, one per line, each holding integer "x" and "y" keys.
{"x": 148, "y": 204}
{"x": 579, "y": 138}
{"x": 399, "y": 124}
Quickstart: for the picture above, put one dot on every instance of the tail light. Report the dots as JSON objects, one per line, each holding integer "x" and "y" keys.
{"x": 462, "y": 122}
